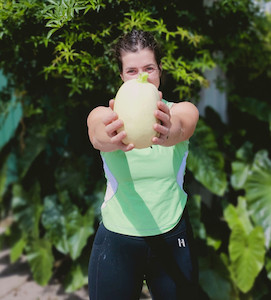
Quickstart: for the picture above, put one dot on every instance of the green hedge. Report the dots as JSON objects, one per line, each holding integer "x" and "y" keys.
{"x": 57, "y": 62}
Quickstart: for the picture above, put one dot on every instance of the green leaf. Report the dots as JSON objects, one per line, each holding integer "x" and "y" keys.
{"x": 205, "y": 160}
{"x": 41, "y": 261}
{"x": 214, "y": 277}
{"x": 27, "y": 208}
{"x": 259, "y": 109}
{"x": 241, "y": 167}
{"x": 17, "y": 249}
{"x": 215, "y": 243}
{"x": 66, "y": 227}
{"x": 247, "y": 255}
{"x": 8, "y": 173}
{"x": 34, "y": 145}
{"x": 239, "y": 175}
{"x": 268, "y": 267}
{"x": 54, "y": 222}
{"x": 238, "y": 215}
{"x": 258, "y": 193}
{"x": 194, "y": 214}
{"x": 77, "y": 277}
{"x": 79, "y": 228}
{"x": 10, "y": 121}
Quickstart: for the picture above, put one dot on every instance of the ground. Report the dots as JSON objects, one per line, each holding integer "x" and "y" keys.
{"x": 17, "y": 284}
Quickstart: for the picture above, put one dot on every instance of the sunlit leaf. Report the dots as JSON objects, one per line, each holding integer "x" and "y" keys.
{"x": 41, "y": 260}
{"x": 238, "y": 215}
{"x": 258, "y": 193}
{"x": 17, "y": 249}
{"x": 247, "y": 253}
{"x": 240, "y": 172}
{"x": 241, "y": 167}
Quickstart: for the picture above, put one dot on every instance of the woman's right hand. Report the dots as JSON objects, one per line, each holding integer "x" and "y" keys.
{"x": 112, "y": 125}
{"x": 103, "y": 124}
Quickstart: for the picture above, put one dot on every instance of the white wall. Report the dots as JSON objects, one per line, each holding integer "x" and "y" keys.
{"x": 212, "y": 96}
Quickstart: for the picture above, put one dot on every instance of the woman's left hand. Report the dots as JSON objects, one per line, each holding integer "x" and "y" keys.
{"x": 163, "y": 115}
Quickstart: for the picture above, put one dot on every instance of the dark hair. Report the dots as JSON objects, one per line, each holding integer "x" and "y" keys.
{"x": 134, "y": 41}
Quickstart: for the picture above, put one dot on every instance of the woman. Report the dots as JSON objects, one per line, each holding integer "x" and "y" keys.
{"x": 144, "y": 233}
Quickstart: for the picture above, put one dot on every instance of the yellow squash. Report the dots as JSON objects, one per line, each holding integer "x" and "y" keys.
{"x": 135, "y": 103}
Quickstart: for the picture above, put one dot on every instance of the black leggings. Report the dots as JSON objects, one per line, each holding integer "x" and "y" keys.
{"x": 119, "y": 264}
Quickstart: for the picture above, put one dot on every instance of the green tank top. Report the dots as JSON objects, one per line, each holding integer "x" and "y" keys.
{"x": 144, "y": 194}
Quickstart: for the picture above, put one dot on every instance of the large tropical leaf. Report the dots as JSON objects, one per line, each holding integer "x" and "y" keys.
{"x": 17, "y": 249}
{"x": 247, "y": 255}
{"x": 268, "y": 267}
{"x": 77, "y": 277}
{"x": 205, "y": 160}
{"x": 9, "y": 121}
{"x": 259, "y": 109}
{"x": 194, "y": 215}
{"x": 66, "y": 227}
{"x": 258, "y": 193}
{"x": 246, "y": 245}
{"x": 34, "y": 144}
{"x": 54, "y": 222}
{"x": 241, "y": 167}
{"x": 27, "y": 208}
{"x": 238, "y": 215}
{"x": 240, "y": 171}
{"x": 41, "y": 260}
{"x": 8, "y": 173}
{"x": 214, "y": 277}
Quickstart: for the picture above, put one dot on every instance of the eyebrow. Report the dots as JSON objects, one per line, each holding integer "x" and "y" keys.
{"x": 146, "y": 66}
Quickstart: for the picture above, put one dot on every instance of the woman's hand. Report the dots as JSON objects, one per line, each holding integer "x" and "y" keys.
{"x": 112, "y": 124}
{"x": 177, "y": 123}
{"x": 103, "y": 124}
{"x": 163, "y": 115}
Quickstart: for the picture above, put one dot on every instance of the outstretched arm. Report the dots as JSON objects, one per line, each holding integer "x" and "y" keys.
{"x": 103, "y": 124}
{"x": 177, "y": 124}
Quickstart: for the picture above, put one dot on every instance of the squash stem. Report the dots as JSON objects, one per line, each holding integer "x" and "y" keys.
{"x": 143, "y": 77}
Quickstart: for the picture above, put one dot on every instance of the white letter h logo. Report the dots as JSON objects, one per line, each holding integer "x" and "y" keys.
{"x": 181, "y": 243}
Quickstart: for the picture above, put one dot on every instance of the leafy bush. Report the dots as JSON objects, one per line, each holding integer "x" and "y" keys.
{"x": 57, "y": 62}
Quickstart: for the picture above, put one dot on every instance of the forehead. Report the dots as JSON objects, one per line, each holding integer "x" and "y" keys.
{"x": 138, "y": 59}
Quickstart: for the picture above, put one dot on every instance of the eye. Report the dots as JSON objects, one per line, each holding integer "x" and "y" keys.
{"x": 149, "y": 69}
{"x": 131, "y": 72}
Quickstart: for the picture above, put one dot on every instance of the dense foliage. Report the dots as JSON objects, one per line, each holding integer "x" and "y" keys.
{"x": 57, "y": 63}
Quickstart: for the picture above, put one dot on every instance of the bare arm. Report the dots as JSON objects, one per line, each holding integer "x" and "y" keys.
{"x": 102, "y": 124}
{"x": 178, "y": 123}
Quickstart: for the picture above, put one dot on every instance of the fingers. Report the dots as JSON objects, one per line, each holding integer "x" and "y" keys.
{"x": 163, "y": 115}
{"x": 118, "y": 141}
{"x": 128, "y": 147}
{"x": 111, "y": 103}
{"x": 163, "y": 107}
{"x": 112, "y": 127}
{"x": 114, "y": 130}
{"x": 160, "y": 94}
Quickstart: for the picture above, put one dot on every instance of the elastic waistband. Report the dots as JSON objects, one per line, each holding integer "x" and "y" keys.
{"x": 179, "y": 227}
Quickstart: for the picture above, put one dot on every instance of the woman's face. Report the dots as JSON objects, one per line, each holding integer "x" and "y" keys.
{"x": 134, "y": 63}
